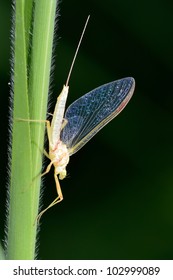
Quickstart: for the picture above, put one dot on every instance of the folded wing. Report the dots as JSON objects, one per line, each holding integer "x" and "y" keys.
{"x": 88, "y": 114}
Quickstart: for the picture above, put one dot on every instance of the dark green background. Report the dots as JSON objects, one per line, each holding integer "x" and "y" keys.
{"x": 118, "y": 195}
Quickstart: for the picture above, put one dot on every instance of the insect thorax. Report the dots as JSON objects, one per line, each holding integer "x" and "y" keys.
{"x": 59, "y": 155}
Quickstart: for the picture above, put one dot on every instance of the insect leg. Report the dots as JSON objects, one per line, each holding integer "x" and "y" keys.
{"x": 46, "y": 154}
{"x": 58, "y": 188}
{"x": 58, "y": 199}
{"x": 28, "y": 120}
{"x": 47, "y": 169}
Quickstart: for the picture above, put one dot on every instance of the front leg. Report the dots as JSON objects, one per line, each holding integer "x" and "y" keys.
{"x": 48, "y": 127}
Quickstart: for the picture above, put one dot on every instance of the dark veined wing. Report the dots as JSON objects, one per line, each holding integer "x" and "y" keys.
{"x": 88, "y": 114}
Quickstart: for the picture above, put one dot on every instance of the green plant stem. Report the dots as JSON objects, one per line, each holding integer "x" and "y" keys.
{"x": 29, "y": 102}
{"x": 28, "y": 10}
{"x": 43, "y": 31}
{"x": 2, "y": 254}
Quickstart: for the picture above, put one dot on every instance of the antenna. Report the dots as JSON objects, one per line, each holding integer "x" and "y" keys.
{"x": 76, "y": 52}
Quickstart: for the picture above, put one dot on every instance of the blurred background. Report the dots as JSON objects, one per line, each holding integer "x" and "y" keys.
{"x": 118, "y": 195}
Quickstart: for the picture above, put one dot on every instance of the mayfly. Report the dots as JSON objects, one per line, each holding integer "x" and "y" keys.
{"x": 82, "y": 120}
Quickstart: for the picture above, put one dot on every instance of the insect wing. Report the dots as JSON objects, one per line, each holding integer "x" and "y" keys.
{"x": 88, "y": 114}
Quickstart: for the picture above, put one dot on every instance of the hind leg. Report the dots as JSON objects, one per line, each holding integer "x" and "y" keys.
{"x": 58, "y": 199}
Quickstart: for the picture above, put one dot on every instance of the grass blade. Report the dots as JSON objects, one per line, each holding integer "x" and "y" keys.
{"x": 29, "y": 102}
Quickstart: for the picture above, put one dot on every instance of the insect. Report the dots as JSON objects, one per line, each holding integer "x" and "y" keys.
{"x": 82, "y": 120}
